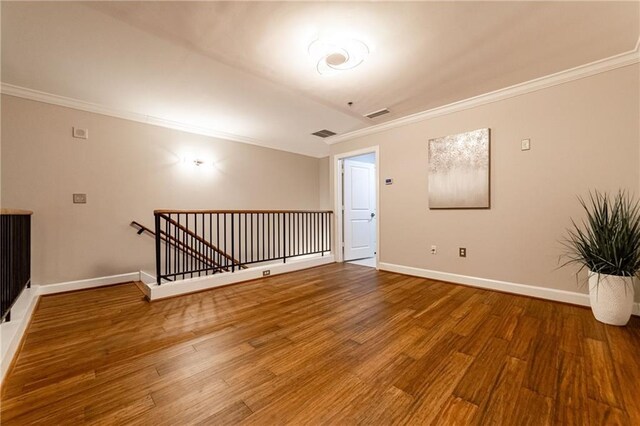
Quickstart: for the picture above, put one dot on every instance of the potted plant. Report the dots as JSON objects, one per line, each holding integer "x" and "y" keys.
{"x": 607, "y": 243}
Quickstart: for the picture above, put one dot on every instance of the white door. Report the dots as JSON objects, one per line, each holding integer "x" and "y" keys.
{"x": 359, "y": 193}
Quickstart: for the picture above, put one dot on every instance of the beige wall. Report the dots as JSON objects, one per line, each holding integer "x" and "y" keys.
{"x": 325, "y": 192}
{"x": 584, "y": 135}
{"x": 128, "y": 169}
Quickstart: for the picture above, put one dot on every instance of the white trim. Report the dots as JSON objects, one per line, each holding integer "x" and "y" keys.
{"x": 147, "y": 278}
{"x": 505, "y": 286}
{"x": 89, "y": 283}
{"x": 581, "y": 71}
{"x": 11, "y": 332}
{"x": 50, "y": 98}
{"x": 337, "y": 204}
{"x": 617, "y": 61}
{"x": 156, "y": 292}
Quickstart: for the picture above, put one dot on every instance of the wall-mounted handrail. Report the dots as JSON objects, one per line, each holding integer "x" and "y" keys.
{"x": 235, "y": 239}
{"x": 168, "y": 239}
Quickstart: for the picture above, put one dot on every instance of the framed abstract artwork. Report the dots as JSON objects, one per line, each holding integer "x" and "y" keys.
{"x": 459, "y": 167}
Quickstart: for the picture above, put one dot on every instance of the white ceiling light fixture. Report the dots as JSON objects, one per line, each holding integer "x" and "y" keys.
{"x": 333, "y": 55}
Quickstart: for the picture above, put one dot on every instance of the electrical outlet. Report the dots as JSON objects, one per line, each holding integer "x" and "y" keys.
{"x": 462, "y": 252}
{"x": 79, "y": 198}
{"x": 266, "y": 273}
{"x": 434, "y": 249}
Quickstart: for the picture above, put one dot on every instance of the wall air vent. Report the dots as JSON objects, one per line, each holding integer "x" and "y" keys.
{"x": 377, "y": 113}
{"x": 323, "y": 133}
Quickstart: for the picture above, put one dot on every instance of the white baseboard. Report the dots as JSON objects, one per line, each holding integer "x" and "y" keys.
{"x": 88, "y": 283}
{"x": 505, "y": 286}
{"x": 147, "y": 278}
{"x": 11, "y": 332}
{"x": 156, "y": 292}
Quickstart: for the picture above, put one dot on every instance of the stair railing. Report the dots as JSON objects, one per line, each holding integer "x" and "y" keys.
{"x": 205, "y": 242}
{"x": 15, "y": 257}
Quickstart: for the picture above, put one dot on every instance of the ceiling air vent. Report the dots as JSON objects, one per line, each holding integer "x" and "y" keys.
{"x": 323, "y": 133}
{"x": 377, "y": 113}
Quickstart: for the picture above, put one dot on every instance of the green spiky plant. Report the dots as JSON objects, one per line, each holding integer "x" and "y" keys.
{"x": 608, "y": 239}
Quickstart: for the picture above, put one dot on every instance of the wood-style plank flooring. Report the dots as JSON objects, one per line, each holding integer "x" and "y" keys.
{"x": 339, "y": 344}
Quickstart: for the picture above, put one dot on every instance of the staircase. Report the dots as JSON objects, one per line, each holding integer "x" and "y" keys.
{"x": 195, "y": 243}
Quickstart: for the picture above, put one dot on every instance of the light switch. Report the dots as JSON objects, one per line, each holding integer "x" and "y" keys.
{"x": 80, "y": 133}
{"x": 525, "y": 144}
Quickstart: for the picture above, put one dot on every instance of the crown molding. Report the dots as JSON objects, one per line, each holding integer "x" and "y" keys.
{"x": 49, "y": 98}
{"x": 618, "y": 61}
{"x": 582, "y": 71}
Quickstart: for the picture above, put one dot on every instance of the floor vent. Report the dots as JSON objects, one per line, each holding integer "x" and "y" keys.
{"x": 377, "y": 113}
{"x": 323, "y": 133}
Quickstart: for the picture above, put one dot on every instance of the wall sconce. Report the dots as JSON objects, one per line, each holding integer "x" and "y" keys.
{"x": 187, "y": 160}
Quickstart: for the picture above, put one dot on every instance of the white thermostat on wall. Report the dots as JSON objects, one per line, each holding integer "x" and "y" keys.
{"x": 80, "y": 133}
{"x": 388, "y": 181}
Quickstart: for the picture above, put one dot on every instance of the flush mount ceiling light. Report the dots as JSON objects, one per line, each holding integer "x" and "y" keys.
{"x": 334, "y": 55}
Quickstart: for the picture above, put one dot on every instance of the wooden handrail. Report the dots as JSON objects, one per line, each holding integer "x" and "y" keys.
{"x": 164, "y": 211}
{"x": 181, "y": 246}
{"x": 202, "y": 240}
{"x": 15, "y": 212}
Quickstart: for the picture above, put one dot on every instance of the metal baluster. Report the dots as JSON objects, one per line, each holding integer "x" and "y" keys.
{"x": 233, "y": 263}
{"x": 195, "y": 249}
{"x": 218, "y": 240}
{"x": 284, "y": 237}
{"x": 314, "y": 232}
{"x": 269, "y": 242}
{"x": 226, "y": 253}
{"x": 167, "y": 257}
{"x": 211, "y": 254}
{"x": 329, "y": 217}
{"x": 301, "y": 232}
{"x": 245, "y": 238}
{"x": 322, "y": 232}
{"x": 276, "y": 235}
{"x": 307, "y": 233}
{"x": 158, "y": 272}
{"x": 184, "y": 259}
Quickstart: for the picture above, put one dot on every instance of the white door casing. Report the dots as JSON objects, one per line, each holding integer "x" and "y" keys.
{"x": 359, "y": 193}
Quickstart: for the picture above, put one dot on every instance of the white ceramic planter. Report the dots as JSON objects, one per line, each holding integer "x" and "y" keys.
{"x": 611, "y": 298}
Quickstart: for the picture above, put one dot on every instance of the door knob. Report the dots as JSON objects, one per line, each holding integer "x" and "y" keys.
{"x": 373, "y": 215}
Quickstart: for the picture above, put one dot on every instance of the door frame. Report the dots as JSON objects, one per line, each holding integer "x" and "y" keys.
{"x": 337, "y": 200}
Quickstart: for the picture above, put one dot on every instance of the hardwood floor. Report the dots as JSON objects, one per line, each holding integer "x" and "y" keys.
{"x": 338, "y": 344}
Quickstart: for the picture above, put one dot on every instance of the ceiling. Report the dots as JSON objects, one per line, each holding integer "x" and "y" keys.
{"x": 242, "y": 68}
